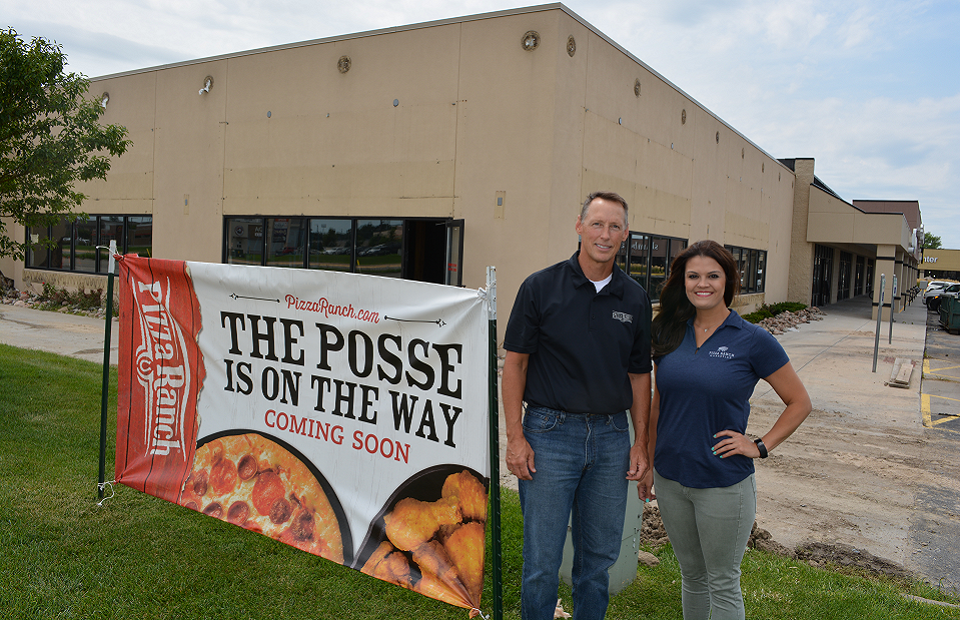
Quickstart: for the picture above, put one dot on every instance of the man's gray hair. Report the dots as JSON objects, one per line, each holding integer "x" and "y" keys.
{"x": 610, "y": 196}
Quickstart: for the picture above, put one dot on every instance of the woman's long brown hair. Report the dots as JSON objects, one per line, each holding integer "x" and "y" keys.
{"x": 670, "y": 324}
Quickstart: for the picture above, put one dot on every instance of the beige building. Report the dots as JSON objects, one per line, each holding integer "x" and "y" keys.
{"x": 941, "y": 264}
{"x": 433, "y": 150}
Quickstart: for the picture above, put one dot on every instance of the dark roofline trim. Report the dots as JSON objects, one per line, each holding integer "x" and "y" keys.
{"x": 827, "y": 190}
{"x": 444, "y": 22}
{"x": 882, "y": 200}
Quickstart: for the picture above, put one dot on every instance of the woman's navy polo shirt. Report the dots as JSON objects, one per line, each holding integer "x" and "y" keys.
{"x": 581, "y": 343}
{"x": 707, "y": 390}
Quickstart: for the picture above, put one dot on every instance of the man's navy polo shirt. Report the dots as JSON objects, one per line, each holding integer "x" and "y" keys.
{"x": 706, "y": 390}
{"x": 581, "y": 343}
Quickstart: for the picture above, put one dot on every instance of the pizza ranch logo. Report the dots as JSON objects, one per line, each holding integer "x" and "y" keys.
{"x": 325, "y": 307}
{"x": 163, "y": 368}
{"x": 723, "y": 353}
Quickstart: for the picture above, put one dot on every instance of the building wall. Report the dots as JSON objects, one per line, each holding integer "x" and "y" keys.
{"x": 440, "y": 120}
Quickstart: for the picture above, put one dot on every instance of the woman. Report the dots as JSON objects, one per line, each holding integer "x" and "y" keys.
{"x": 708, "y": 361}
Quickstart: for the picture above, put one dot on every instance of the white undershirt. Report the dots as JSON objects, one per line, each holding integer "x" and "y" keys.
{"x": 602, "y": 283}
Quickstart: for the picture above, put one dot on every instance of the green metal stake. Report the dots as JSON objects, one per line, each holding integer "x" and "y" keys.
{"x": 105, "y": 387}
{"x": 494, "y": 416}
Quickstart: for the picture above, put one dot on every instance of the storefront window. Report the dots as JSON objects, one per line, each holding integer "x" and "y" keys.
{"x": 111, "y": 229}
{"x": 370, "y": 246}
{"x": 647, "y": 259}
{"x": 752, "y": 267}
{"x": 77, "y": 242}
{"x": 139, "y": 235}
{"x": 331, "y": 244}
{"x": 39, "y": 256}
{"x": 379, "y": 247}
{"x": 245, "y": 241}
{"x": 85, "y": 245}
{"x": 288, "y": 239}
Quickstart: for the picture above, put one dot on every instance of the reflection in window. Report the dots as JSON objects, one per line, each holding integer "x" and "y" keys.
{"x": 287, "y": 242}
{"x": 60, "y": 255}
{"x": 85, "y": 245}
{"x": 379, "y": 246}
{"x": 331, "y": 244}
{"x": 752, "y": 265}
{"x": 245, "y": 240}
{"x": 76, "y": 243}
{"x": 39, "y": 257}
{"x": 139, "y": 235}
{"x": 371, "y": 246}
{"x": 647, "y": 258}
{"x": 111, "y": 229}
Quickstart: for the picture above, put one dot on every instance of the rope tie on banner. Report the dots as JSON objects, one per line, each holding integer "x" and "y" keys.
{"x": 100, "y": 487}
{"x": 479, "y": 613}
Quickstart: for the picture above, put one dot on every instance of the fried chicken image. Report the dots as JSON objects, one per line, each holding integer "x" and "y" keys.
{"x": 469, "y": 493}
{"x": 388, "y": 564}
{"x": 437, "y": 565}
{"x": 412, "y": 522}
{"x": 465, "y": 547}
{"x": 436, "y": 547}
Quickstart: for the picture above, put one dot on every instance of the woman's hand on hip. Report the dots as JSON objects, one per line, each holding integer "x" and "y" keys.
{"x": 732, "y": 442}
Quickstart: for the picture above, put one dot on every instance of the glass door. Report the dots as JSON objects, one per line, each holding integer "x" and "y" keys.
{"x": 454, "y": 271}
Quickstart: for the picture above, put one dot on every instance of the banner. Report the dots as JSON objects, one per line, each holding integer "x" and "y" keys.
{"x": 342, "y": 414}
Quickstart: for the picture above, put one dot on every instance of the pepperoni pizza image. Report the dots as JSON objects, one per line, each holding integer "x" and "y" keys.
{"x": 436, "y": 547}
{"x": 254, "y": 482}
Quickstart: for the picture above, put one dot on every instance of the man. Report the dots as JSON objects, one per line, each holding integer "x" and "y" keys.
{"x": 578, "y": 355}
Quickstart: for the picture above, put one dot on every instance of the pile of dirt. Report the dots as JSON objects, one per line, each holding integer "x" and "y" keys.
{"x": 822, "y": 555}
{"x": 652, "y": 533}
{"x": 817, "y": 554}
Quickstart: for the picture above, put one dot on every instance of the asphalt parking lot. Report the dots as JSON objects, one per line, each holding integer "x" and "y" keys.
{"x": 940, "y": 388}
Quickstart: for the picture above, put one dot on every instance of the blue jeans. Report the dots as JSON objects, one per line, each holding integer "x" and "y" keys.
{"x": 582, "y": 462}
{"x": 709, "y": 530}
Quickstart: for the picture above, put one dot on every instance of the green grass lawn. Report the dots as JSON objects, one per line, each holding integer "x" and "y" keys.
{"x": 63, "y": 556}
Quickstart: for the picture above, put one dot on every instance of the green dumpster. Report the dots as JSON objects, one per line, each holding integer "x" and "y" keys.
{"x": 950, "y": 313}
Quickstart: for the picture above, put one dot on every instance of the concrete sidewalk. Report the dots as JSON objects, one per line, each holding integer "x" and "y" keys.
{"x": 65, "y": 334}
{"x": 863, "y": 470}
{"x": 835, "y": 358}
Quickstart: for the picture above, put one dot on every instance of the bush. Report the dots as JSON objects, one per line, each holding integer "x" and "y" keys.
{"x": 768, "y": 311}
{"x": 53, "y": 298}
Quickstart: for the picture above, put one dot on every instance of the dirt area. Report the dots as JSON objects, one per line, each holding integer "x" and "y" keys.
{"x": 817, "y": 554}
{"x": 862, "y": 482}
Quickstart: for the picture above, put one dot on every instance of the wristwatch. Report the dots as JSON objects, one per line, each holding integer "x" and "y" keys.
{"x": 763, "y": 449}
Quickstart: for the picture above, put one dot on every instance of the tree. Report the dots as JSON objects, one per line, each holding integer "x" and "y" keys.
{"x": 931, "y": 241}
{"x": 50, "y": 138}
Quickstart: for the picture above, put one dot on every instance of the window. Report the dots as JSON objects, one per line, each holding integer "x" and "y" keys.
{"x": 647, "y": 259}
{"x": 245, "y": 241}
{"x": 379, "y": 246}
{"x": 77, "y": 242}
{"x": 288, "y": 239}
{"x": 331, "y": 245}
{"x": 412, "y": 248}
{"x": 822, "y": 275}
{"x": 843, "y": 281}
{"x": 752, "y": 265}
{"x": 860, "y": 276}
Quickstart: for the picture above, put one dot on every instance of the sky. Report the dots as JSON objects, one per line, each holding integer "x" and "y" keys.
{"x": 869, "y": 89}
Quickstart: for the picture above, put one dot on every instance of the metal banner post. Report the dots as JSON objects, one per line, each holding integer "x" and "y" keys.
{"x": 893, "y": 300}
{"x": 105, "y": 387}
{"x": 876, "y": 344}
{"x": 495, "y": 529}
